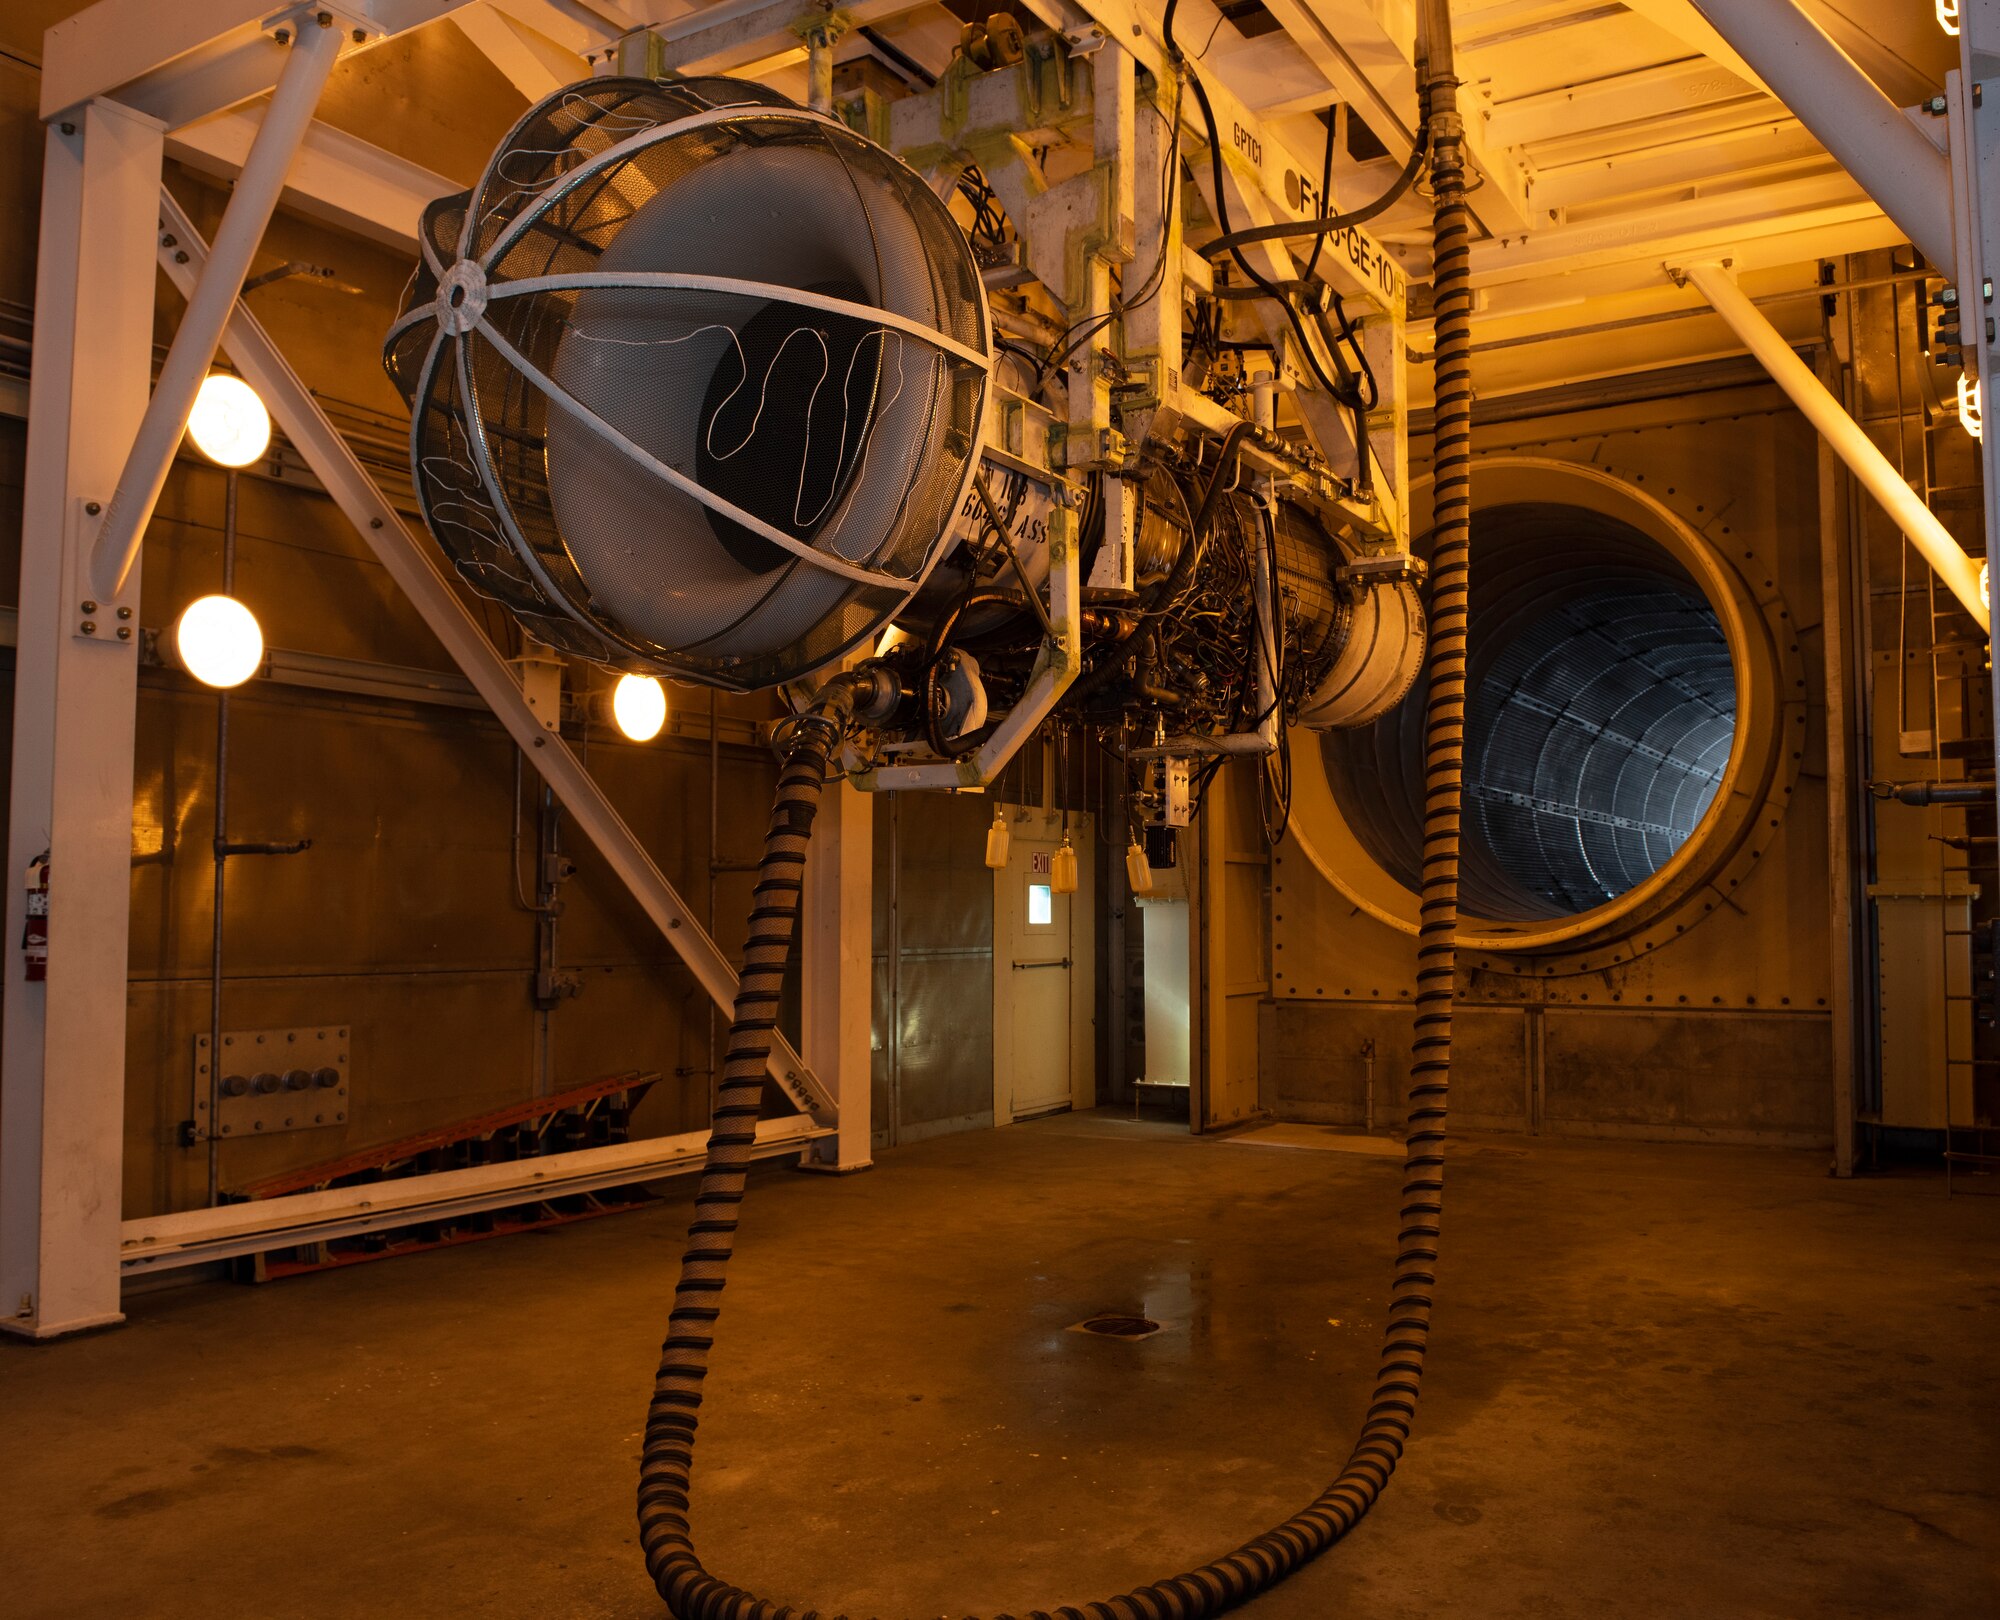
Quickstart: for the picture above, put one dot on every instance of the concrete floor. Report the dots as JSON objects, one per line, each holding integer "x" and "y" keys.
{"x": 1667, "y": 1381}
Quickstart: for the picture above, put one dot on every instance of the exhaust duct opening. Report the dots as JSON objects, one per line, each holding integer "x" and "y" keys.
{"x": 1601, "y": 716}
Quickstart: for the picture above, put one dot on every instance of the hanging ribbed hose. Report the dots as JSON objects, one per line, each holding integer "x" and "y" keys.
{"x": 691, "y": 1593}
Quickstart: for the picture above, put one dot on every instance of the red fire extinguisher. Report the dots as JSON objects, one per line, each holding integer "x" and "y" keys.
{"x": 35, "y": 936}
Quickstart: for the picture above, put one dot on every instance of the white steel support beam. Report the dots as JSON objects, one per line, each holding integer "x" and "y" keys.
{"x": 1668, "y": 91}
{"x": 182, "y": 60}
{"x": 1894, "y": 162}
{"x": 62, "y": 1064}
{"x": 336, "y": 176}
{"x": 1846, "y": 436}
{"x": 410, "y": 566}
{"x": 533, "y": 63}
{"x": 1683, "y": 20}
{"x": 210, "y": 300}
{"x": 199, "y": 1236}
{"x": 1811, "y": 217}
{"x": 838, "y": 998}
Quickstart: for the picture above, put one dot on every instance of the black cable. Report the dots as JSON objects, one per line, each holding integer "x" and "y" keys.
{"x": 1231, "y": 442}
{"x": 1267, "y": 287}
{"x": 1320, "y": 229}
{"x": 1193, "y": 79}
{"x": 1325, "y": 192}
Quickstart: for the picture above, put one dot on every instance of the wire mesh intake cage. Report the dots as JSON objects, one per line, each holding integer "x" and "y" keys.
{"x": 695, "y": 377}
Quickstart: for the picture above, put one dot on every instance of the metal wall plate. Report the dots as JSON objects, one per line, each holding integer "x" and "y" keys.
{"x": 275, "y": 1080}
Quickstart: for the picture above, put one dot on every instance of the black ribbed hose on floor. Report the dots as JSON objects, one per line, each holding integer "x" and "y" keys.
{"x": 691, "y": 1593}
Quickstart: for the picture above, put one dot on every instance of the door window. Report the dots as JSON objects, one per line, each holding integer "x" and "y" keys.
{"x": 1041, "y": 906}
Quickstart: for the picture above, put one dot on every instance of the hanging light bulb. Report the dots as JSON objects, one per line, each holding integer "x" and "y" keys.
{"x": 1968, "y": 405}
{"x": 1062, "y": 869}
{"x": 997, "y": 842}
{"x": 229, "y": 424}
{"x": 639, "y": 705}
{"x": 1947, "y": 16}
{"x": 217, "y": 640}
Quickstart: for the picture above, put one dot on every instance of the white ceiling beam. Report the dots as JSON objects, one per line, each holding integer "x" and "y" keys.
{"x": 1666, "y": 91}
{"x": 335, "y": 176}
{"x": 1821, "y": 234}
{"x": 183, "y": 61}
{"x": 1735, "y": 159}
{"x": 532, "y": 62}
{"x": 1696, "y": 127}
{"x": 1684, "y": 231}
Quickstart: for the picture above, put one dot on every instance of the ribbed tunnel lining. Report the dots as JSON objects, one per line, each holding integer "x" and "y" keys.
{"x": 1603, "y": 710}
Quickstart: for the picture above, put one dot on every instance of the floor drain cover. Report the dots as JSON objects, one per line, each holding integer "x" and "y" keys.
{"x": 1113, "y": 1326}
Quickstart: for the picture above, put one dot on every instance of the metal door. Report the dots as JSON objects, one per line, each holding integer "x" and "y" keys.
{"x": 1042, "y": 974}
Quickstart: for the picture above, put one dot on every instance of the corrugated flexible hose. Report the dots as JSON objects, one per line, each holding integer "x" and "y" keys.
{"x": 690, "y": 1592}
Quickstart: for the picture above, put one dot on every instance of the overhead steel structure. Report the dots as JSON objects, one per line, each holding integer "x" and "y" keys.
{"x": 128, "y": 82}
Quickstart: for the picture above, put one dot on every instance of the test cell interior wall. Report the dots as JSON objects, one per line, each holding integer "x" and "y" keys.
{"x": 1721, "y": 1033}
{"x": 401, "y": 921}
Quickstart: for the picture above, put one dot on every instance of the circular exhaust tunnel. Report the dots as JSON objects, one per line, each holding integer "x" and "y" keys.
{"x": 1601, "y": 712}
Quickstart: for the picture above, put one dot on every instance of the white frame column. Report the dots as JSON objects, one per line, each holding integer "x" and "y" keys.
{"x": 62, "y": 1061}
{"x": 838, "y": 994}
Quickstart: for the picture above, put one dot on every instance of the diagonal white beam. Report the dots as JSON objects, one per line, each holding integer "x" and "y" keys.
{"x": 130, "y": 509}
{"x": 1843, "y": 435}
{"x": 409, "y": 564}
{"x": 1684, "y": 21}
{"x": 533, "y": 63}
{"x": 1894, "y": 162}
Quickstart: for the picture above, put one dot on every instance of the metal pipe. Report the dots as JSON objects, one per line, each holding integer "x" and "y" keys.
{"x": 1959, "y": 572}
{"x": 1845, "y": 111}
{"x": 222, "y": 852}
{"x": 1930, "y": 793}
{"x": 1027, "y": 324}
{"x": 819, "y": 68}
{"x": 131, "y": 505}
